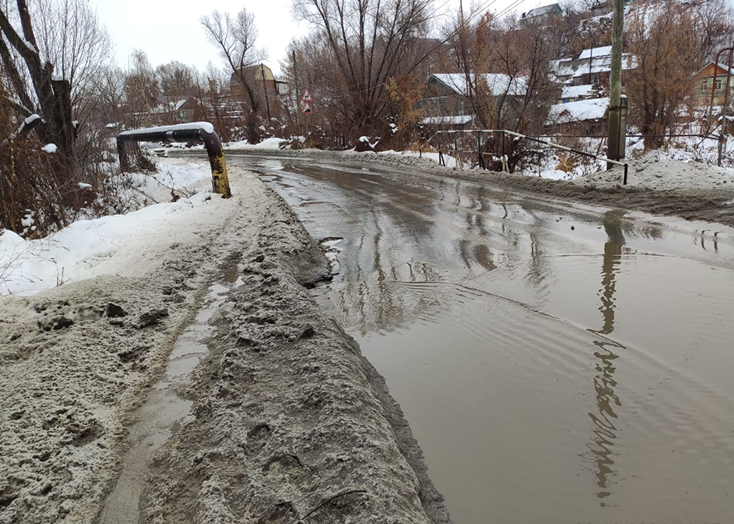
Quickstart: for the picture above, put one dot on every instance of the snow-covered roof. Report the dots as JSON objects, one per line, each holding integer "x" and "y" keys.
{"x": 447, "y": 120}
{"x": 600, "y": 64}
{"x": 498, "y": 83}
{"x": 580, "y": 111}
{"x": 543, "y": 10}
{"x": 596, "y": 51}
{"x": 577, "y": 91}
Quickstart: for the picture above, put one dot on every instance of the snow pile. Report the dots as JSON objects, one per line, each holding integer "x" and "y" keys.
{"x": 433, "y": 157}
{"x": 268, "y": 143}
{"x": 182, "y": 179}
{"x": 117, "y": 244}
{"x": 580, "y": 111}
{"x": 49, "y": 148}
{"x": 656, "y": 173}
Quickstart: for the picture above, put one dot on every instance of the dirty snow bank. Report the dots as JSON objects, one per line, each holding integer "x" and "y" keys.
{"x": 289, "y": 420}
{"x": 656, "y": 172}
{"x": 74, "y": 359}
{"x": 116, "y": 244}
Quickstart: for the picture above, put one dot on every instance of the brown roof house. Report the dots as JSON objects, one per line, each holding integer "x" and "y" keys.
{"x": 705, "y": 85}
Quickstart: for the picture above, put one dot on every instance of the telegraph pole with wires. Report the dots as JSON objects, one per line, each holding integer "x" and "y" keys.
{"x": 617, "y": 103}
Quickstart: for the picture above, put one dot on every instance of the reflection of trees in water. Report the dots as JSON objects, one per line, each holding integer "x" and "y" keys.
{"x": 539, "y": 269}
{"x": 601, "y": 448}
{"x": 387, "y": 301}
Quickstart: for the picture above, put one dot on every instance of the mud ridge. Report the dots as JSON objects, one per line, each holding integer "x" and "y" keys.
{"x": 290, "y": 423}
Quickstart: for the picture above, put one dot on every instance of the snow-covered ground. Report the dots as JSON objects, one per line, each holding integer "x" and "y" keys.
{"x": 116, "y": 244}
{"x": 268, "y": 143}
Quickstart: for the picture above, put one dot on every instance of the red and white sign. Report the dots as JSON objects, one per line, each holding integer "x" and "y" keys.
{"x": 307, "y": 107}
{"x": 306, "y": 96}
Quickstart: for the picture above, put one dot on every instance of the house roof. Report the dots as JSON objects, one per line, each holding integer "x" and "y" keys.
{"x": 721, "y": 66}
{"x": 599, "y": 64}
{"x": 580, "y": 111}
{"x": 577, "y": 91}
{"x": 596, "y": 52}
{"x": 447, "y": 120}
{"x": 498, "y": 83}
{"x": 543, "y": 10}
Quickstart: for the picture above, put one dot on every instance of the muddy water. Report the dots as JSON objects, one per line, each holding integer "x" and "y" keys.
{"x": 557, "y": 363}
{"x": 162, "y": 410}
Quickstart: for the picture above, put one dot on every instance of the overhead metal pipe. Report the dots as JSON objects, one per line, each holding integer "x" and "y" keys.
{"x": 198, "y": 131}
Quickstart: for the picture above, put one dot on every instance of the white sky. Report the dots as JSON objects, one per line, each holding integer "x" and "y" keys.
{"x": 169, "y": 30}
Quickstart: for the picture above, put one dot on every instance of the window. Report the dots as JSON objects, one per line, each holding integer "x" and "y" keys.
{"x": 704, "y": 85}
{"x": 718, "y": 84}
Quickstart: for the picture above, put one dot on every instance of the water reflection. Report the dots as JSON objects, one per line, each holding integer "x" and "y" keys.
{"x": 601, "y": 448}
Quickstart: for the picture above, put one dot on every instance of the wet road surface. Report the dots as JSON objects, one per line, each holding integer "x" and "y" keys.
{"x": 557, "y": 363}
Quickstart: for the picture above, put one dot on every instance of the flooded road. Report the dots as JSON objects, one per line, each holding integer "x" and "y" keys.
{"x": 557, "y": 363}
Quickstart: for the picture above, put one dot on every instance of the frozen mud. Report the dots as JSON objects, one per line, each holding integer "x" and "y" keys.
{"x": 289, "y": 422}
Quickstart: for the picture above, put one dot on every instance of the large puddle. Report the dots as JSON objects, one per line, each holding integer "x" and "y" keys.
{"x": 163, "y": 409}
{"x": 556, "y": 363}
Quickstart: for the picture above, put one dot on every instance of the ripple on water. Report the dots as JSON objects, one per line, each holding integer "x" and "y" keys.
{"x": 538, "y": 411}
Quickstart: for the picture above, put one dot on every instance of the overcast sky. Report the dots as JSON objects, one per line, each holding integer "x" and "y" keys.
{"x": 170, "y": 30}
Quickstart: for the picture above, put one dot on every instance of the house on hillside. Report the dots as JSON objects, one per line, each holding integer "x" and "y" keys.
{"x": 448, "y": 95}
{"x": 705, "y": 86}
{"x": 540, "y": 15}
{"x": 593, "y": 66}
{"x": 583, "y": 117}
{"x": 575, "y": 93}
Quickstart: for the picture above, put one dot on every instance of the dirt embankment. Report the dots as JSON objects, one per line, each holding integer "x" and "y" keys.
{"x": 713, "y": 204}
{"x": 74, "y": 362}
{"x": 289, "y": 422}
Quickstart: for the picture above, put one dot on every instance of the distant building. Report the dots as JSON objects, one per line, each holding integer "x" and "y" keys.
{"x": 573, "y": 93}
{"x": 705, "y": 86}
{"x": 258, "y": 76}
{"x": 584, "y": 117}
{"x": 593, "y": 66}
{"x": 541, "y": 14}
{"x": 448, "y": 93}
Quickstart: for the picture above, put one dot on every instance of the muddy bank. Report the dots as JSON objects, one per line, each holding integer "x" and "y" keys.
{"x": 74, "y": 363}
{"x": 715, "y": 204}
{"x": 289, "y": 421}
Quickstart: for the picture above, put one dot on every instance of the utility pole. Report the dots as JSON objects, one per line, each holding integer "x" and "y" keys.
{"x": 265, "y": 88}
{"x": 617, "y": 105}
{"x": 298, "y": 91}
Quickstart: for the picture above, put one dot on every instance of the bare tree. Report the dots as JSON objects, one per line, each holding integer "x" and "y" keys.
{"x": 70, "y": 37}
{"x": 667, "y": 44}
{"x": 523, "y": 54}
{"x": 235, "y": 38}
{"x": 109, "y": 92}
{"x": 368, "y": 43}
{"x": 715, "y": 25}
{"x": 176, "y": 79}
{"x": 21, "y": 60}
{"x": 471, "y": 43}
{"x": 141, "y": 89}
